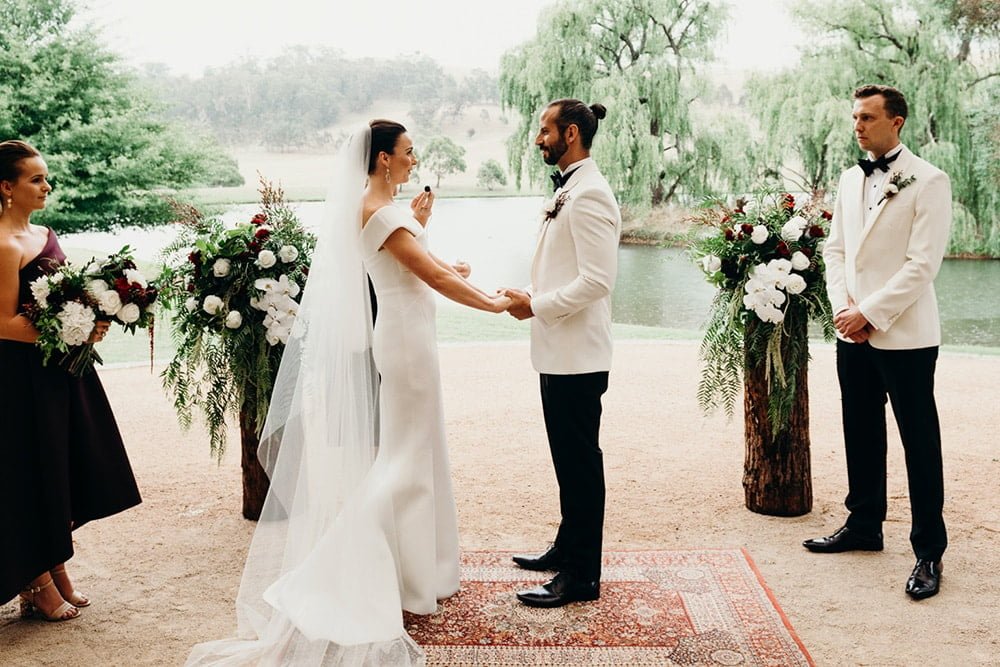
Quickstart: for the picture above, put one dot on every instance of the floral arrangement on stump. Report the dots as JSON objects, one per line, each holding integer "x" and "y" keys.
{"x": 764, "y": 257}
{"x": 234, "y": 293}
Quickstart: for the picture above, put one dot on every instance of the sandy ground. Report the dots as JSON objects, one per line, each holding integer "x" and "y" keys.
{"x": 163, "y": 576}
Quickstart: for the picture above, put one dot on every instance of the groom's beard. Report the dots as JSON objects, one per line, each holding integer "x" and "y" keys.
{"x": 552, "y": 154}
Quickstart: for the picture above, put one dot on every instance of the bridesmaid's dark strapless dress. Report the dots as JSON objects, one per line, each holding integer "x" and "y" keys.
{"x": 62, "y": 460}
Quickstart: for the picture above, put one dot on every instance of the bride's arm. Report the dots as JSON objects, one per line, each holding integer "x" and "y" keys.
{"x": 438, "y": 275}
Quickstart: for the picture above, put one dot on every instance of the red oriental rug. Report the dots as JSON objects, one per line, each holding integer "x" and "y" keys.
{"x": 657, "y": 608}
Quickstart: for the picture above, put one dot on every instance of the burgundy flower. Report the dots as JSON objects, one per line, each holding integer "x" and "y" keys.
{"x": 253, "y": 246}
{"x": 782, "y": 249}
{"x": 827, "y": 215}
{"x": 190, "y": 286}
{"x": 816, "y": 232}
{"x": 263, "y": 233}
{"x": 730, "y": 235}
{"x": 807, "y": 251}
{"x": 259, "y": 219}
{"x": 746, "y": 228}
{"x": 195, "y": 257}
{"x": 725, "y": 219}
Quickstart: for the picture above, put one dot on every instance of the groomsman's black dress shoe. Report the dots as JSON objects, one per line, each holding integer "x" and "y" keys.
{"x": 550, "y": 561}
{"x": 925, "y": 580}
{"x": 563, "y": 589}
{"x": 845, "y": 539}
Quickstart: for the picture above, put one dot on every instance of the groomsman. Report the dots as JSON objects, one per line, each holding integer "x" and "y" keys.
{"x": 888, "y": 237}
{"x": 569, "y": 301}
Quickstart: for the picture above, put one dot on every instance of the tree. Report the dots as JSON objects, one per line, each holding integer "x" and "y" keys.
{"x": 490, "y": 175}
{"x": 442, "y": 156}
{"x": 943, "y": 55}
{"x": 108, "y": 149}
{"x": 640, "y": 58}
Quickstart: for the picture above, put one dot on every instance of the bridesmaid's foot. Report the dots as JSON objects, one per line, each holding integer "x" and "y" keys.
{"x": 65, "y": 587}
{"x": 43, "y": 599}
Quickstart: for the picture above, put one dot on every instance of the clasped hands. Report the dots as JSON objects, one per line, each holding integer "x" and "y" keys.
{"x": 520, "y": 303}
{"x": 852, "y": 324}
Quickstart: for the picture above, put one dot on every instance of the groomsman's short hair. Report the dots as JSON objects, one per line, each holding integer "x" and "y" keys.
{"x": 575, "y": 112}
{"x": 895, "y": 103}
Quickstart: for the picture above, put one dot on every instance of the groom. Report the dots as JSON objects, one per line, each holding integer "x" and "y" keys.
{"x": 569, "y": 301}
{"x": 888, "y": 237}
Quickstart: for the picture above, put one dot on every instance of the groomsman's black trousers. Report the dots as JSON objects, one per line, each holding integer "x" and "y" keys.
{"x": 572, "y": 408}
{"x": 867, "y": 376}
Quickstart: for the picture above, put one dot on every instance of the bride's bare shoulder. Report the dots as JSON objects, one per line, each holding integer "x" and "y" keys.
{"x": 369, "y": 209}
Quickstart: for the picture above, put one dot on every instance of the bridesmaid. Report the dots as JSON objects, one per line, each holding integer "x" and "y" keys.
{"x": 62, "y": 461}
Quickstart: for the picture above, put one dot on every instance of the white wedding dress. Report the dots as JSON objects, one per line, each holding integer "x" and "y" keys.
{"x": 353, "y": 531}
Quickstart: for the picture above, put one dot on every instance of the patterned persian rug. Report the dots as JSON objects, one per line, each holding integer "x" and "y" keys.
{"x": 657, "y": 608}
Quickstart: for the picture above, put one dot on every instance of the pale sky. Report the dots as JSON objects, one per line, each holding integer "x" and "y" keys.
{"x": 188, "y": 35}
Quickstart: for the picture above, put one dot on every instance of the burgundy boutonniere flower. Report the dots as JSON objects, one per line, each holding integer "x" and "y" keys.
{"x": 556, "y": 206}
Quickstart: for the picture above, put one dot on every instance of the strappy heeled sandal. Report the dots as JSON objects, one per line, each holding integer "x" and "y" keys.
{"x": 65, "y": 611}
{"x": 74, "y": 598}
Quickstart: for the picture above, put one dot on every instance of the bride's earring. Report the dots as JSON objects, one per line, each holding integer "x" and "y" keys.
{"x": 387, "y": 180}
{"x": 10, "y": 202}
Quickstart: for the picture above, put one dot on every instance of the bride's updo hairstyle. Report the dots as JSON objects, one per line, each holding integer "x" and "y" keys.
{"x": 575, "y": 112}
{"x": 385, "y": 134}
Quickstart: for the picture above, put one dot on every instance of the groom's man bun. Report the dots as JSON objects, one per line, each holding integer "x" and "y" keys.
{"x": 575, "y": 112}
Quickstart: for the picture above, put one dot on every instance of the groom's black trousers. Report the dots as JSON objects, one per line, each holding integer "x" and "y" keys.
{"x": 572, "y": 408}
{"x": 867, "y": 376}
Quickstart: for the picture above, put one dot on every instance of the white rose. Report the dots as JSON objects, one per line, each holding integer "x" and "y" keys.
{"x": 221, "y": 267}
{"x": 759, "y": 234}
{"x": 93, "y": 267}
{"x": 133, "y": 276}
{"x": 234, "y": 319}
{"x": 266, "y": 259}
{"x": 769, "y": 314}
{"x": 711, "y": 263}
{"x": 191, "y": 304}
{"x": 795, "y": 284}
{"x": 212, "y": 304}
{"x": 799, "y": 261}
{"x": 96, "y": 288}
{"x": 288, "y": 253}
{"x": 40, "y": 290}
{"x": 890, "y": 189}
{"x": 77, "y": 323}
{"x": 792, "y": 230}
{"x": 129, "y": 313}
{"x": 109, "y": 302}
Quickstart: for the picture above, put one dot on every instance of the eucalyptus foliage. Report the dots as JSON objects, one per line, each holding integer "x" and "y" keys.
{"x": 944, "y": 56}
{"x": 108, "y": 148}
{"x": 641, "y": 59}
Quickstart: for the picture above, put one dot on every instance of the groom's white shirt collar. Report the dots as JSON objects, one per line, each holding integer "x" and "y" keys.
{"x": 892, "y": 151}
{"x": 576, "y": 164}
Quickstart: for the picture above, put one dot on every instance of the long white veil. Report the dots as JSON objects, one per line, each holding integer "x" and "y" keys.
{"x": 320, "y": 583}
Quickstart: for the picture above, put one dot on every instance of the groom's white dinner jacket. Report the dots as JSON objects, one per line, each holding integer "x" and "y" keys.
{"x": 573, "y": 274}
{"x": 886, "y": 260}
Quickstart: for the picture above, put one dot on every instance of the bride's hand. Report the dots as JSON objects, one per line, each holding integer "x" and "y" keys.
{"x": 501, "y": 303}
{"x": 421, "y": 206}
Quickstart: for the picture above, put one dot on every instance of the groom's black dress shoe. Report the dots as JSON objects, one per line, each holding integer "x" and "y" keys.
{"x": 563, "y": 589}
{"x": 925, "y": 580}
{"x": 551, "y": 561}
{"x": 845, "y": 539}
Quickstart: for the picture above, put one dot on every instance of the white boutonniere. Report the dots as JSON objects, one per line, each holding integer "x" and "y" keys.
{"x": 895, "y": 184}
{"x": 556, "y": 206}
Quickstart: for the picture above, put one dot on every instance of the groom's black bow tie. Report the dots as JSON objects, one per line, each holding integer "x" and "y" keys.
{"x": 869, "y": 166}
{"x": 559, "y": 179}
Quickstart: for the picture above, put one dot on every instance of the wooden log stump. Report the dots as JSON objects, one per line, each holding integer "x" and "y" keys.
{"x": 255, "y": 481}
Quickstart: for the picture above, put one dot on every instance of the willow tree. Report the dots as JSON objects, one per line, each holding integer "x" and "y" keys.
{"x": 641, "y": 59}
{"x": 943, "y": 54}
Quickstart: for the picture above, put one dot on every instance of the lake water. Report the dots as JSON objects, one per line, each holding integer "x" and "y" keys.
{"x": 656, "y": 287}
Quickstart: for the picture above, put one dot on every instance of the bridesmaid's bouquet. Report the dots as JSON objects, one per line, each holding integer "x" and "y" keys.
{"x": 64, "y": 311}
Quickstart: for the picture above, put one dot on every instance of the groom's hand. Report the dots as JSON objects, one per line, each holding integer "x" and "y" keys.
{"x": 850, "y": 321}
{"x": 520, "y": 304}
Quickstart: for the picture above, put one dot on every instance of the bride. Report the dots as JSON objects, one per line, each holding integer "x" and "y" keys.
{"x": 359, "y": 522}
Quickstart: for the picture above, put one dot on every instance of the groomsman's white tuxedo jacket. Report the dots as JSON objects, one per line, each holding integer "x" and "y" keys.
{"x": 572, "y": 276}
{"x": 886, "y": 261}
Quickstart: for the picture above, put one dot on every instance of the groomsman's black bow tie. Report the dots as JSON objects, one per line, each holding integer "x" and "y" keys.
{"x": 559, "y": 179}
{"x": 869, "y": 166}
